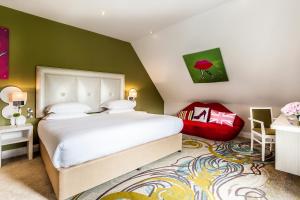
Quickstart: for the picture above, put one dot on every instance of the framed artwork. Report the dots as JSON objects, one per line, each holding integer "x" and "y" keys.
{"x": 206, "y": 66}
{"x": 4, "y": 58}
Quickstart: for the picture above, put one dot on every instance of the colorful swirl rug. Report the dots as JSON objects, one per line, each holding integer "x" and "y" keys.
{"x": 204, "y": 170}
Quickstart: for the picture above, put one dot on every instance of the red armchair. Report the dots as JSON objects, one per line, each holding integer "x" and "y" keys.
{"x": 212, "y": 131}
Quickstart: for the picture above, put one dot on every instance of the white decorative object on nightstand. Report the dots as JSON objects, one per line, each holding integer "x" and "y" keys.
{"x": 17, "y": 134}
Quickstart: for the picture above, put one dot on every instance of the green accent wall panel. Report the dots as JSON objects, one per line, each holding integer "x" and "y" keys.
{"x": 36, "y": 41}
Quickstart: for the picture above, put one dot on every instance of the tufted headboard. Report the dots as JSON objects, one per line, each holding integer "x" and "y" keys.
{"x": 58, "y": 85}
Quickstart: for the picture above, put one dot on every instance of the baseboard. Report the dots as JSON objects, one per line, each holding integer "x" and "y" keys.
{"x": 245, "y": 134}
{"x": 18, "y": 152}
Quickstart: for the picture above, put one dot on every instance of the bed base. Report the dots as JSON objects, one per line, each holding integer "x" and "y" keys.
{"x": 67, "y": 182}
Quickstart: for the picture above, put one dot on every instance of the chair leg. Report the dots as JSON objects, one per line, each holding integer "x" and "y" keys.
{"x": 263, "y": 149}
{"x": 271, "y": 147}
{"x": 252, "y": 141}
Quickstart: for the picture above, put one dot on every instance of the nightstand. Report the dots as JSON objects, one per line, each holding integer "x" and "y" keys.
{"x": 17, "y": 134}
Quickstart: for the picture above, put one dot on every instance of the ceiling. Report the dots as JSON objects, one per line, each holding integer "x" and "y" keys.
{"x": 126, "y": 20}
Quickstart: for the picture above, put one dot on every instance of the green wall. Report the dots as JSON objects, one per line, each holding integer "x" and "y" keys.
{"x": 36, "y": 41}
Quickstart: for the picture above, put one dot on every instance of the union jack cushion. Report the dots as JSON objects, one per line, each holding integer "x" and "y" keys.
{"x": 222, "y": 117}
{"x": 185, "y": 114}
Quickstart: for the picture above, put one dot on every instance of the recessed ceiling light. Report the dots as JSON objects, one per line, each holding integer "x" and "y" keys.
{"x": 151, "y": 32}
{"x": 103, "y": 12}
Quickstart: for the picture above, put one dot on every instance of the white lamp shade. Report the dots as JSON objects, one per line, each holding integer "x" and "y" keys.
{"x": 18, "y": 96}
{"x": 132, "y": 93}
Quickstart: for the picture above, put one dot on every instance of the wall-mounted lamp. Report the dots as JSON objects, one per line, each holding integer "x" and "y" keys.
{"x": 132, "y": 94}
{"x": 15, "y": 99}
{"x": 18, "y": 99}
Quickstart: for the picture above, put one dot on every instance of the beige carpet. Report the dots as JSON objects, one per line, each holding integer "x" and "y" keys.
{"x": 21, "y": 179}
{"x": 219, "y": 171}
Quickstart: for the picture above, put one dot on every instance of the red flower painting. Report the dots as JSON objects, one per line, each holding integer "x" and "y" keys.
{"x": 204, "y": 66}
{"x": 4, "y": 43}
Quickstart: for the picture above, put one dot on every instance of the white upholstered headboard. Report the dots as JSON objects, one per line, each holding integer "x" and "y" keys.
{"x": 58, "y": 85}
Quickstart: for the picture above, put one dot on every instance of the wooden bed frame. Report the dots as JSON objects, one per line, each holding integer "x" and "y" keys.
{"x": 68, "y": 182}
{"x": 94, "y": 88}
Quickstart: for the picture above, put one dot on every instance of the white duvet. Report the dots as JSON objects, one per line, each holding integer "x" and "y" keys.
{"x": 73, "y": 141}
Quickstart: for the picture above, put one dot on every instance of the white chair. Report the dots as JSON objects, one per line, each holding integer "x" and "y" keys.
{"x": 261, "y": 119}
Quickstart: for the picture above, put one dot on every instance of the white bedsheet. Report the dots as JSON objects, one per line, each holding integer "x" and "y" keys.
{"x": 73, "y": 141}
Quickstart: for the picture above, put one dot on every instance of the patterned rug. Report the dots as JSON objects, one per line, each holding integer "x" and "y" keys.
{"x": 204, "y": 170}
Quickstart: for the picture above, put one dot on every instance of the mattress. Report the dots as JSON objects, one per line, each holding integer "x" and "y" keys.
{"x": 71, "y": 142}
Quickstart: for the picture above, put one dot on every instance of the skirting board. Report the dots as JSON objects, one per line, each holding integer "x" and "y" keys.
{"x": 244, "y": 134}
{"x": 18, "y": 152}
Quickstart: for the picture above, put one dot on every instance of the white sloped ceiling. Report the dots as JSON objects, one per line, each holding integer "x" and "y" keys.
{"x": 260, "y": 43}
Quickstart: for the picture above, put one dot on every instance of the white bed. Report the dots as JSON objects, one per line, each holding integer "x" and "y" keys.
{"x": 81, "y": 153}
{"x": 74, "y": 141}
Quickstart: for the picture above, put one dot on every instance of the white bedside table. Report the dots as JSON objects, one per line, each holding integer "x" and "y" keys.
{"x": 17, "y": 134}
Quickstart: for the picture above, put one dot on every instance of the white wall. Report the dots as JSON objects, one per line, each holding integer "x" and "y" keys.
{"x": 260, "y": 43}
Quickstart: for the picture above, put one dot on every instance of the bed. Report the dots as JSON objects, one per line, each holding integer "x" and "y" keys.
{"x": 84, "y": 152}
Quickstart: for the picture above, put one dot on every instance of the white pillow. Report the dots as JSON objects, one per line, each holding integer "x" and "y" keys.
{"x": 72, "y": 107}
{"x": 119, "y": 105}
{"x": 119, "y": 111}
{"x": 64, "y": 115}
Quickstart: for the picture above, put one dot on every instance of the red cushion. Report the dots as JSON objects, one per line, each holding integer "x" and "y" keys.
{"x": 211, "y": 130}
